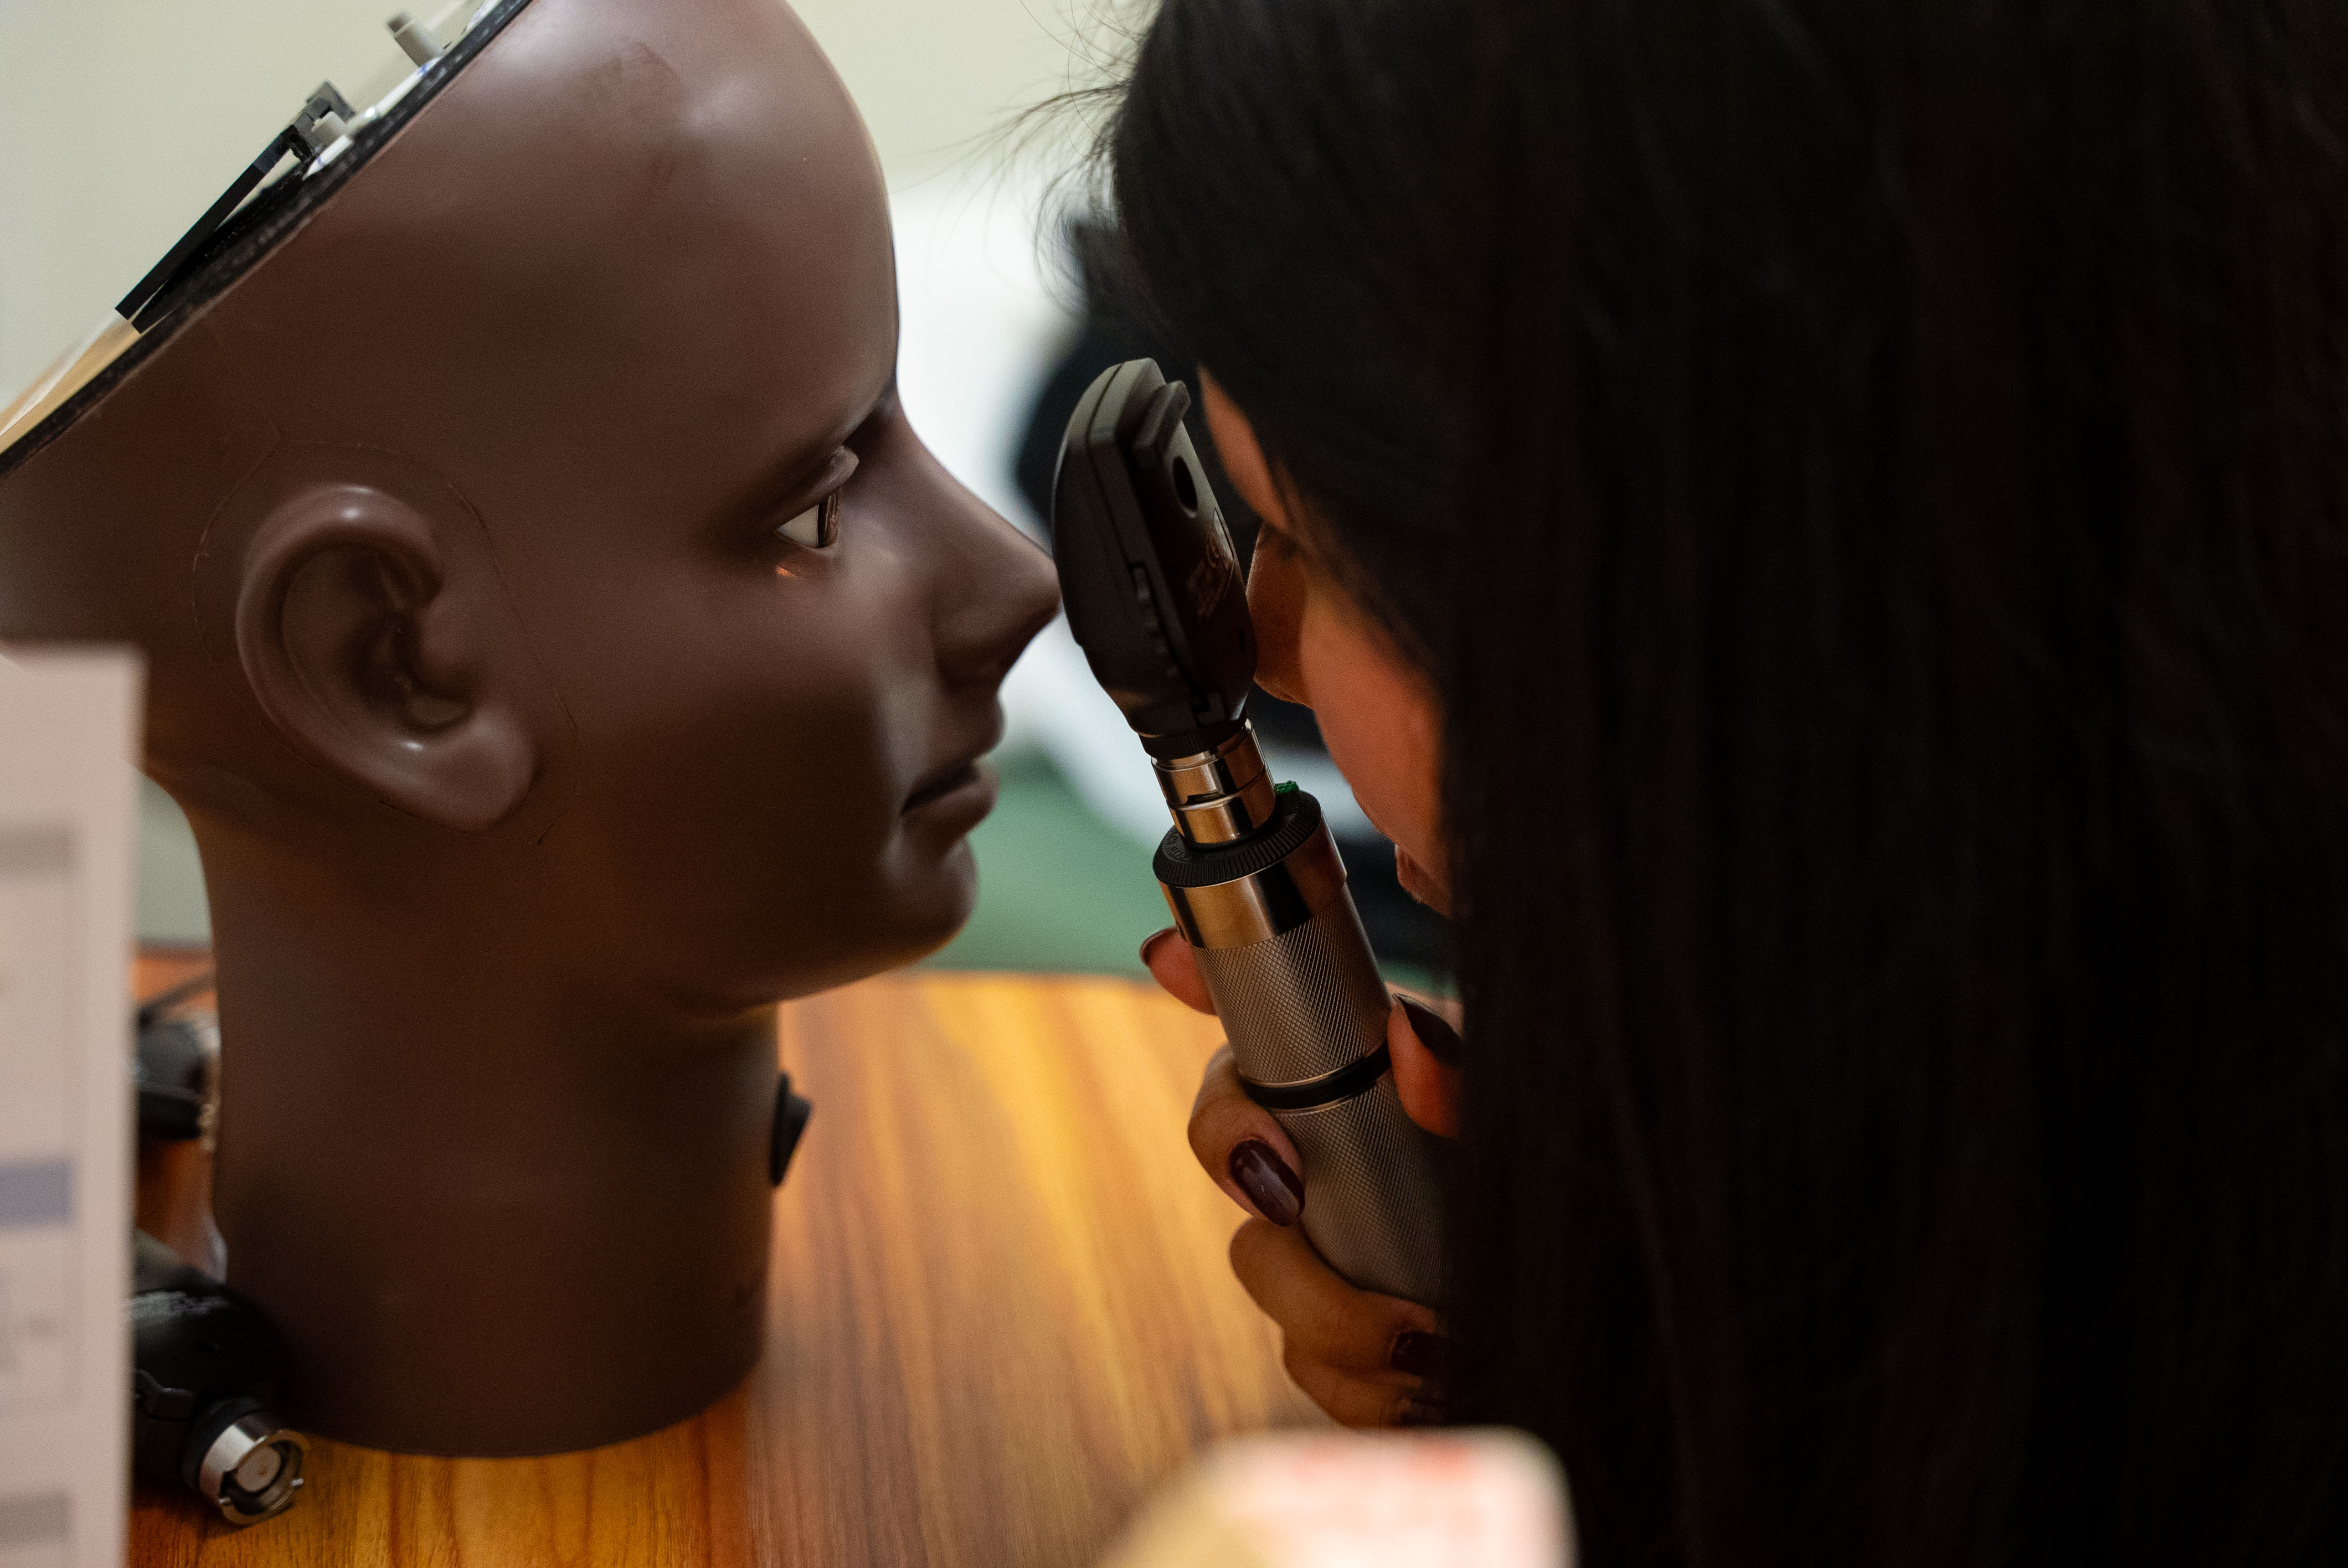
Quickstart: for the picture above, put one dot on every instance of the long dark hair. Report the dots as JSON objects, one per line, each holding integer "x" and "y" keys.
{"x": 1870, "y": 481}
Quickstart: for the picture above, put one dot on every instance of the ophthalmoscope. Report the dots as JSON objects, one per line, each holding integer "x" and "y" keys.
{"x": 1155, "y": 599}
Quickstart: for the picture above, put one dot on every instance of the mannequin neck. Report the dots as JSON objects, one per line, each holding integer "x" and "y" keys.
{"x": 494, "y": 1207}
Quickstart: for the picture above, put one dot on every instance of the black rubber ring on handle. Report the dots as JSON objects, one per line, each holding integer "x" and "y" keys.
{"x": 1358, "y": 1078}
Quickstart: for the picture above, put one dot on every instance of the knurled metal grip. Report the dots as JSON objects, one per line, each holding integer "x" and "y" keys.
{"x": 1373, "y": 1192}
{"x": 1283, "y": 955}
{"x": 1302, "y": 1005}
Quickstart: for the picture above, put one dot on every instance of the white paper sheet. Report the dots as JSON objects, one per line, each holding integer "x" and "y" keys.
{"x": 68, "y": 728}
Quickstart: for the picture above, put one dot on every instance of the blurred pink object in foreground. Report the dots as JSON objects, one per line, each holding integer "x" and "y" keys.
{"x": 1470, "y": 1499}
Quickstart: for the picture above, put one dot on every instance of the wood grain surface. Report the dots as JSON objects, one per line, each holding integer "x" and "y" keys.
{"x": 1000, "y": 1313}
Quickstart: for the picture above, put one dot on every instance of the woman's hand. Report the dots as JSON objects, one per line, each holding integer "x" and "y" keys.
{"x": 1365, "y": 1358}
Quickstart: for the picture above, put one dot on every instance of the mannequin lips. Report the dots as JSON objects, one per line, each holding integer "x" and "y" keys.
{"x": 961, "y": 793}
{"x": 965, "y": 782}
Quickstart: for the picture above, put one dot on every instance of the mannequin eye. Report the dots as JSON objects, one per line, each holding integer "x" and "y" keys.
{"x": 817, "y": 527}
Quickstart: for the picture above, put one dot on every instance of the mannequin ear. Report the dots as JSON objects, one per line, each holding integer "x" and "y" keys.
{"x": 377, "y": 645}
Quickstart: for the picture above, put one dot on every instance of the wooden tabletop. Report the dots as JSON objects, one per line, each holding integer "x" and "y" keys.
{"x": 1000, "y": 1314}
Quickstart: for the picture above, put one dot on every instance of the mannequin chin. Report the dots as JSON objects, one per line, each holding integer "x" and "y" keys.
{"x": 531, "y": 759}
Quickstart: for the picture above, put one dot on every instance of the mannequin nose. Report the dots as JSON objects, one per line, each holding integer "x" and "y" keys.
{"x": 1007, "y": 593}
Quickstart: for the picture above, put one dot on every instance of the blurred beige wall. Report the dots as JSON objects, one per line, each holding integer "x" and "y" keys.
{"x": 120, "y": 121}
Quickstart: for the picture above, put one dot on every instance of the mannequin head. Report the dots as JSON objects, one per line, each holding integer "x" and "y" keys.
{"x": 473, "y": 487}
{"x": 532, "y": 758}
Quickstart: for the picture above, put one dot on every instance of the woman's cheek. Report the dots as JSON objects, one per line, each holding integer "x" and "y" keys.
{"x": 1379, "y": 723}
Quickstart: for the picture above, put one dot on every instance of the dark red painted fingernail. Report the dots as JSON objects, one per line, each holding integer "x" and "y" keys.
{"x": 1442, "y": 1042}
{"x": 1152, "y": 941}
{"x": 1277, "y": 1192}
{"x": 1419, "y": 1353}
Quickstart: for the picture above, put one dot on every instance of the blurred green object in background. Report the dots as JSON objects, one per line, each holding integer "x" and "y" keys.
{"x": 1061, "y": 890}
{"x": 1058, "y": 888}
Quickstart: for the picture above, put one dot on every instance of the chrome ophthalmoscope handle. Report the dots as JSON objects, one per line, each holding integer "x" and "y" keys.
{"x": 1284, "y": 957}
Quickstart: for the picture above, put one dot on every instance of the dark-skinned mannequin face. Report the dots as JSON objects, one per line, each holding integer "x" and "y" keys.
{"x": 532, "y": 758}
{"x": 729, "y": 725}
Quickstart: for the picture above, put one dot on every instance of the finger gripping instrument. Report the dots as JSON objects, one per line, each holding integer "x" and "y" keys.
{"x": 1155, "y": 599}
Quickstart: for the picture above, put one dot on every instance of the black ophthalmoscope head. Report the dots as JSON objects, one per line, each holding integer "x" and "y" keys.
{"x": 1155, "y": 599}
{"x": 1152, "y": 587}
